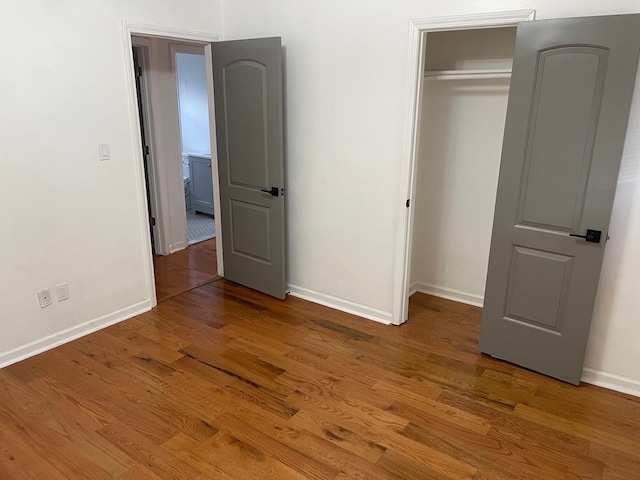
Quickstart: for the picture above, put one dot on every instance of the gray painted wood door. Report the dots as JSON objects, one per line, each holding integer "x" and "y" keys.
{"x": 569, "y": 102}
{"x": 247, "y": 78}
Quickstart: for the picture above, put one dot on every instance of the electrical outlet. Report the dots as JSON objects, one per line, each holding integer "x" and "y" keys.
{"x": 62, "y": 292}
{"x": 45, "y": 298}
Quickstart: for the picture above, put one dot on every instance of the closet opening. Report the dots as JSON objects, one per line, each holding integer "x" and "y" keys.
{"x": 464, "y": 92}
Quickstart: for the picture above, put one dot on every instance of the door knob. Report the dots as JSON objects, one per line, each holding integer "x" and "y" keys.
{"x": 274, "y": 191}
{"x": 592, "y": 236}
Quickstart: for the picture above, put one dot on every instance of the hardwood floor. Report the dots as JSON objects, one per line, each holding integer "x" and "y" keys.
{"x": 189, "y": 268}
{"x": 221, "y": 382}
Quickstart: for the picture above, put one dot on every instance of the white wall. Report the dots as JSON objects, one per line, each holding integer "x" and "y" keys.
{"x": 194, "y": 103}
{"x": 613, "y": 343}
{"x": 65, "y": 216}
{"x": 345, "y": 91}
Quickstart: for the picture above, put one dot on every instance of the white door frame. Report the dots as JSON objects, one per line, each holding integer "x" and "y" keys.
{"x": 130, "y": 29}
{"x": 418, "y": 30}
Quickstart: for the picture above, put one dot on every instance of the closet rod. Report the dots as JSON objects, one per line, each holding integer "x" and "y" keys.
{"x": 467, "y": 74}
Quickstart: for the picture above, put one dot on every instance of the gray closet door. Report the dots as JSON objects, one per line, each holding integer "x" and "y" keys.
{"x": 247, "y": 77}
{"x": 567, "y": 115}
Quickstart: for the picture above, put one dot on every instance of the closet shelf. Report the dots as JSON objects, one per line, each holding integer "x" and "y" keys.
{"x": 467, "y": 74}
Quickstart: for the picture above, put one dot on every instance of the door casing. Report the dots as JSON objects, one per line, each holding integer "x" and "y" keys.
{"x": 417, "y": 47}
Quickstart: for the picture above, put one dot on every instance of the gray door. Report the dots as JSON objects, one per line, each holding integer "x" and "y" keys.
{"x": 247, "y": 78}
{"x": 568, "y": 110}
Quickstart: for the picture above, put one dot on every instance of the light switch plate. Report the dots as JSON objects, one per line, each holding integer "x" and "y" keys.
{"x": 103, "y": 151}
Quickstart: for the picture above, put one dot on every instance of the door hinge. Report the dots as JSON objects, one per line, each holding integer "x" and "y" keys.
{"x": 153, "y": 222}
{"x": 146, "y": 149}
{"x": 408, "y": 202}
{"x": 139, "y": 71}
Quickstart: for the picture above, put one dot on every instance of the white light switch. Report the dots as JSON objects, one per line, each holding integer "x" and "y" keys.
{"x": 103, "y": 151}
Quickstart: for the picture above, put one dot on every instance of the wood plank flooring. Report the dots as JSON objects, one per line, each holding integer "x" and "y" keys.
{"x": 221, "y": 382}
{"x": 186, "y": 269}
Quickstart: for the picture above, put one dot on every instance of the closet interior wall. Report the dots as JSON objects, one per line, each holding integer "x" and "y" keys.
{"x": 465, "y": 92}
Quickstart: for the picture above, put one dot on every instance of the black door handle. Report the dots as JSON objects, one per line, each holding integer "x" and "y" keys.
{"x": 274, "y": 191}
{"x": 591, "y": 236}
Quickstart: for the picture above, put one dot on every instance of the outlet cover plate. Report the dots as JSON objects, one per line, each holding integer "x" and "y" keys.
{"x": 62, "y": 292}
{"x": 44, "y": 296}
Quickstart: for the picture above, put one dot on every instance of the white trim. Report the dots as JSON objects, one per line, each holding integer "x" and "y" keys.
{"x": 208, "y": 55}
{"x": 340, "y": 304}
{"x": 473, "y": 21}
{"x": 448, "y": 293}
{"x": 467, "y": 74}
{"x": 611, "y": 381}
{"x": 415, "y": 77}
{"x": 176, "y": 247}
{"x": 65, "y": 336}
{"x": 139, "y": 163}
{"x": 133, "y": 28}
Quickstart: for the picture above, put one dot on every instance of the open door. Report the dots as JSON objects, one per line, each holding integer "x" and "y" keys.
{"x": 247, "y": 79}
{"x": 567, "y": 115}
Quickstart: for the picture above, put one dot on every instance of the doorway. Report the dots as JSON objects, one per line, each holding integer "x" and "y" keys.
{"x": 448, "y": 59}
{"x": 182, "y": 85}
{"x": 166, "y": 199}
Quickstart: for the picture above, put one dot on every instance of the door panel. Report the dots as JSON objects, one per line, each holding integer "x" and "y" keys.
{"x": 562, "y": 140}
{"x": 567, "y": 115}
{"x": 528, "y": 301}
{"x": 247, "y": 77}
{"x": 250, "y": 222}
{"x": 246, "y": 106}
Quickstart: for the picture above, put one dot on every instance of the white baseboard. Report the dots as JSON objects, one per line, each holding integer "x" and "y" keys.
{"x": 176, "y": 247}
{"x": 65, "y": 336}
{"x": 340, "y": 304}
{"x": 448, "y": 293}
{"x": 611, "y": 381}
